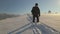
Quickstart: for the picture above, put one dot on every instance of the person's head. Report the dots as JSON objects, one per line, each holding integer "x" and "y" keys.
{"x": 36, "y": 4}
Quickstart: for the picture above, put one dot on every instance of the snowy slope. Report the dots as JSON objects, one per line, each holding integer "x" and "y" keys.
{"x": 23, "y": 25}
{"x": 51, "y": 20}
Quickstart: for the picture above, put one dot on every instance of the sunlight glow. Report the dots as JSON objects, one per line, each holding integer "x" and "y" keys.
{"x": 58, "y": 2}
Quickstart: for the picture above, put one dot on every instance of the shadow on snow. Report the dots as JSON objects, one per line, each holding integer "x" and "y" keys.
{"x": 42, "y": 27}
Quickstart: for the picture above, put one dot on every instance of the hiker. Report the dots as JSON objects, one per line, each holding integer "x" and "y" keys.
{"x": 35, "y": 12}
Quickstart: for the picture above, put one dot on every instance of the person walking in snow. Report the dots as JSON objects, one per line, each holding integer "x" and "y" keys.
{"x": 35, "y": 12}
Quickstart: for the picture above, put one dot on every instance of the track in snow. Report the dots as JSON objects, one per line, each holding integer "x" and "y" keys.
{"x": 36, "y": 28}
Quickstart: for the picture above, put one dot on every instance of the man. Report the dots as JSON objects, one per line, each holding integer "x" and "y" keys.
{"x": 35, "y": 12}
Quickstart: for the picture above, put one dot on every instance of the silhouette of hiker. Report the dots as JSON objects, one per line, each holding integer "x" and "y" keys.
{"x": 35, "y": 12}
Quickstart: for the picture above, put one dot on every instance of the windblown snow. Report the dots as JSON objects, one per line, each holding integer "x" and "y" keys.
{"x": 49, "y": 24}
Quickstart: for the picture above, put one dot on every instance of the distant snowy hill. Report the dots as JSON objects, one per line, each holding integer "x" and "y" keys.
{"x": 49, "y": 24}
{"x": 4, "y": 16}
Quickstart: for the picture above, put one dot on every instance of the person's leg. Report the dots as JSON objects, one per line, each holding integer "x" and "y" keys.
{"x": 37, "y": 19}
{"x": 33, "y": 18}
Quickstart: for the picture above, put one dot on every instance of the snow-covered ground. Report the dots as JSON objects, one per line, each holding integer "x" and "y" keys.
{"x": 49, "y": 24}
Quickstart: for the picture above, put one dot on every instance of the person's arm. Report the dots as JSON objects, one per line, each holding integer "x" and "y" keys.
{"x": 39, "y": 11}
{"x": 32, "y": 11}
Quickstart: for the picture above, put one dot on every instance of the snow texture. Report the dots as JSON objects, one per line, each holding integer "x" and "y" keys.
{"x": 24, "y": 25}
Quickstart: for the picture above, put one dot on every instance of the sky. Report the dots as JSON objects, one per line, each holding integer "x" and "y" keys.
{"x": 25, "y": 6}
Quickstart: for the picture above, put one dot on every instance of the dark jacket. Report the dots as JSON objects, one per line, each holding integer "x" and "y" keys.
{"x": 35, "y": 11}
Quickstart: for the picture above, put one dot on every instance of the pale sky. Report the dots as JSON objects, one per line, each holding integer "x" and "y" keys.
{"x": 25, "y": 6}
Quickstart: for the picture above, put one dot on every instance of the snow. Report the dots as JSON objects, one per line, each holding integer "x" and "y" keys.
{"x": 49, "y": 24}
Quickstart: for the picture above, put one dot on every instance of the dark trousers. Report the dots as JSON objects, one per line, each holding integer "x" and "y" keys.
{"x": 35, "y": 17}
